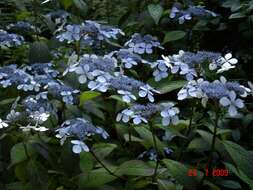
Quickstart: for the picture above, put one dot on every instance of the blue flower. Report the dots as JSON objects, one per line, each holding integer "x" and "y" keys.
{"x": 88, "y": 32}
{"x": 128, "y": 58}
{"x": 168, "y": 151}
{"x": 177, "y": 12}
{"x": 59, "y": 90}
{"x": 147, "y": 91}
{"x": 138, "y": 113}
{"x": 141, "y": 45}
{"x": 79, "y": 146}
{"x": 80, "y": 128}
{"x": 101, "y": 32}
{"x": 151, "y": 154}
{"x": 13, "y": 116}
{"x": 160, "y": 70}
{"x": 188, "y": 63}
{"x": 101, "y": 83}
{"x": 169, "y": 114}
{"x": 92, "y": 66}
{"x": 125, "y": 115}
{"x": 22, "y": 27}
{"x": 126, "y": 96}
{"x": 58, "y": 17}
{"x": 9, "y": 39}
{"x": 232, "y": 103}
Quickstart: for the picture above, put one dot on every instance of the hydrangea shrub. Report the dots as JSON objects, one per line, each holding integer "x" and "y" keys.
{"x": 112, "y": 111}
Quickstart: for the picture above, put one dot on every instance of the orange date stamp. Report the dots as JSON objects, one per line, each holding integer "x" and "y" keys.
{"x": 214, "y": 172}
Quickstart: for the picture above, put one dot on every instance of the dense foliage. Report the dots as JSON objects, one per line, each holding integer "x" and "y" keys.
{"x": 115, "y": 94}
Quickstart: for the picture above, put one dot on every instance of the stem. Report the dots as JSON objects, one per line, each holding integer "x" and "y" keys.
{"x": 190, "y": 123}
{"x": 187, "y": 132}
{"x": 105, "y": 167}
{"x": 130, "y": 134}
{"x": 26, "y": 151}
{"x": 209, "y": 162}
{"x": 34, "y": 2}
{"x": 213, "y": 140}
{"x": 78, "y": 45}
{"x": 156, "y": 149}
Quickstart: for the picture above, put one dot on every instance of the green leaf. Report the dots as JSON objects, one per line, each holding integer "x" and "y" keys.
{"x": 164, "y": 86}
{"x": 88, "y": 95}
{"x": 96, "y": 178}
{"x": 15, "y": 186}
{"x": 37, "y": 175}
{"x": 7, "y": 101}
{"x": 198, "y": 145}
{"x": 103, "y": 149}
{"x": 234, "y": 5}
{"x": 239, "y": 174}
{"x": 39, "y": 53}
{"x": 155, "y": 11}
{"x": 147, "y": 137}
{"x": 166, "y": 185}
{"x": 135, "y": 168}
{"x": 173, "y": 36}
{"x": 67, "y": 3}
{"x": 82, "y": 6}
{"x": 237, "y": 15}
{"x": 242, "y": 158}
{"x": 20, "y": 171}
{"x": 116, "y": 97}
{"x": 208, "y": 138}
{"x": 18, "y": 153}
{"x": 86, "y": 162}
{"x": 230, "y": 184}
{"x": 180, "y": 172}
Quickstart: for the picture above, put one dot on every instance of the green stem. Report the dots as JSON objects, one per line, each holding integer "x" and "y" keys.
{"x": 209, "y": 161}
{"x": 34, "y": 2}
{"x": 26, "y": 151}
{"x": 214, "y": 139}
{"x": 156, "y": 149}
{"x": 130, "y": 133}
{"x": 105, "y": 167}
{"x": 187, "y": 132}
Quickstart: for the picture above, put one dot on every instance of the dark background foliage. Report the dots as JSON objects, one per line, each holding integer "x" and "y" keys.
{"x": 39, "y": 162}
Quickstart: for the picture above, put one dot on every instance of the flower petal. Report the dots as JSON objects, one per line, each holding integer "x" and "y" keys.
{"x": 233, "y": 61}
{"x": 77, "y": 149}
{"x": 225, "y": 101}
{"x": 232, "y": 110}
{"x": 239, "y": 103}
{"x": 228, "y": 56}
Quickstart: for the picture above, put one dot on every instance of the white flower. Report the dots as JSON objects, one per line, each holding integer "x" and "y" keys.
{"x": 227, "y": 63}
{"x": 46, "y": 1}
{"x": 250, "y": 89}
{"x": 167, "y": 61}
{"x": 232, "y": 103}
{"x": 35, "y": 128}
{"x": 3, "y": 124}
{"x": 79, "y": 146}
{"x": 228, "y": 59}
{"x": 213, "y": 66}
{"x": 39, "y": 117}
{"x": 182, "y": 94}
{"x": 225, "y": 67}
